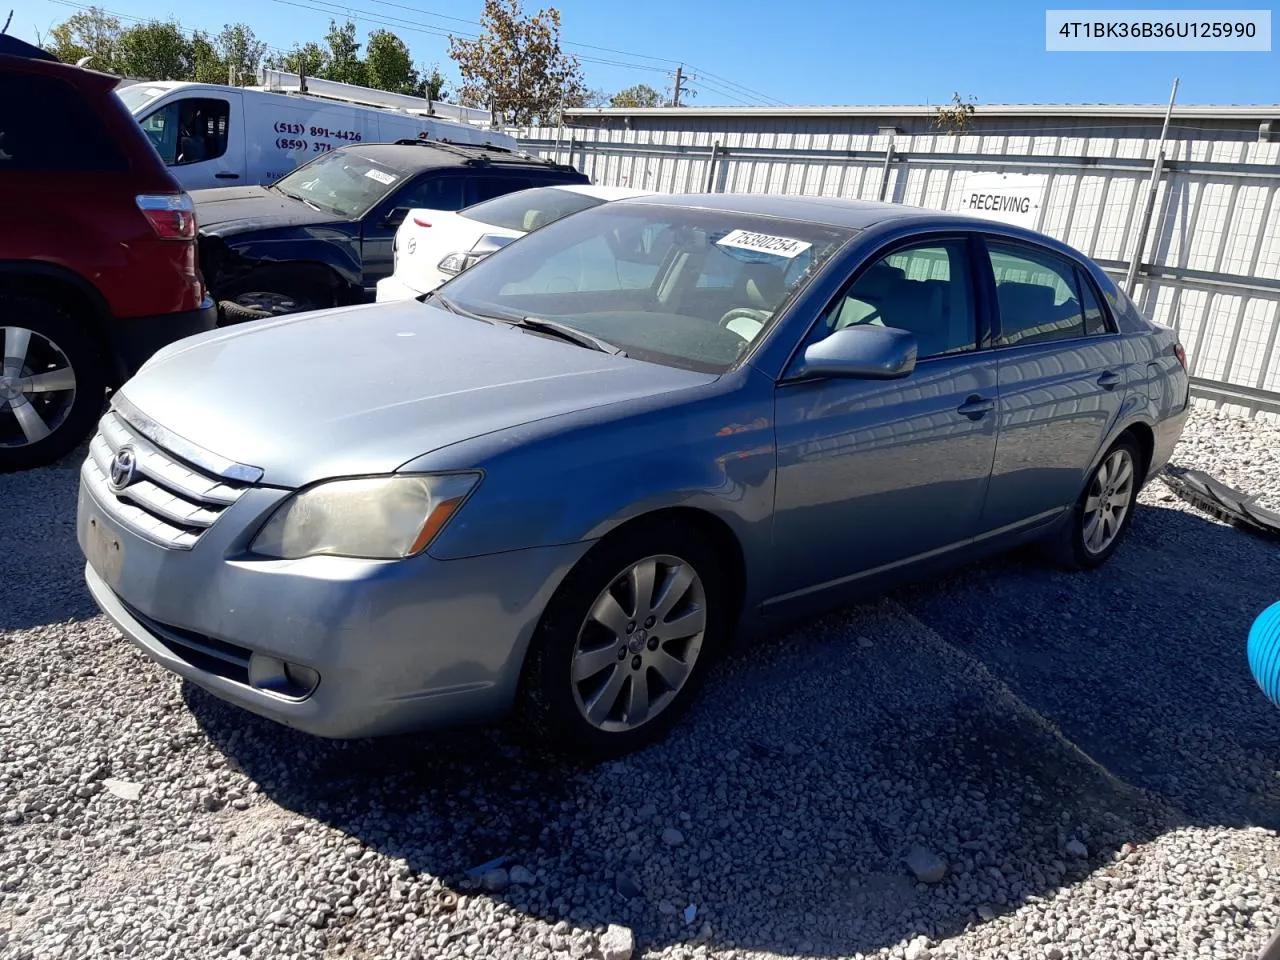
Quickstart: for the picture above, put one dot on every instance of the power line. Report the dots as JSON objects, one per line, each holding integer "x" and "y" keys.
{"x": 725, "y": 88}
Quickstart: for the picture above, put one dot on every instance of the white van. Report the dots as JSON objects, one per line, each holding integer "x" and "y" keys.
{"x": 220, "y": 136}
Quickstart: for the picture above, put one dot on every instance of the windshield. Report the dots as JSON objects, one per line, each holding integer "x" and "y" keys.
{"x": 138, "y": 95}
{"x": 528, "y": 210}
{"x": 342, "y": 182}
{"x": 686, "y": 287}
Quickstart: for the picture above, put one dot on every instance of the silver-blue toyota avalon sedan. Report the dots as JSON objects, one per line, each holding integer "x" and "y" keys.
{"x": 567, "y": 477}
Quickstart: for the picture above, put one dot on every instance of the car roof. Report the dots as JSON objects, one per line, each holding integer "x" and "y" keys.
{"x": 603, "y": 193}
{"x": 834, "y": 211}
{"x": 413, "y": 157}
{"x": 11, "y": 46}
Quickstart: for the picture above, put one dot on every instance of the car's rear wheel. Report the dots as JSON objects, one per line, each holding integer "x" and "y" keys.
{"x": 52, "y": 383}
{"x": 1104, "y": 511}
{"x": 626, "y": 641}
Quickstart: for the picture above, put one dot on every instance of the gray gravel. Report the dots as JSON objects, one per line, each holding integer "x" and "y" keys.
{"x": 1081, "y": 765}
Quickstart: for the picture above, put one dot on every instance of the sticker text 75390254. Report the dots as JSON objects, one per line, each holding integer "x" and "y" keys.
{"x": 764, "y": 243}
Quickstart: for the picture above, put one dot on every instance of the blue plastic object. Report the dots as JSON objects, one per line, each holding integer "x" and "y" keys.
{"x": 1264, "y": 652}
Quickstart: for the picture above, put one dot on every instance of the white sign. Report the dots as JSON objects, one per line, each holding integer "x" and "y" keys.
{"x": 1013, "y": 198}
{"x": 764, "y": 243}
{"x": 386, "y": 178}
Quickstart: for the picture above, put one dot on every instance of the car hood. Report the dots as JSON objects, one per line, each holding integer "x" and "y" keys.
{"x": 365, "y": 389}
{"x": 224, "y": 211}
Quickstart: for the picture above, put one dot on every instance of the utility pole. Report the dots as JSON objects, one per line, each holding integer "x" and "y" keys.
{"x": 675, "y": 99}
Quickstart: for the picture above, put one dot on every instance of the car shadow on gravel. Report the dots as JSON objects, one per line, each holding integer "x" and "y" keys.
{"x": 996, "y": 717}
{"x": 41, "y": 567}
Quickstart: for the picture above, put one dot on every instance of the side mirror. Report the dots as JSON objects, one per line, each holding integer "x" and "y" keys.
{"x": 395, "y": 217}
{"x": 867, "y": 352}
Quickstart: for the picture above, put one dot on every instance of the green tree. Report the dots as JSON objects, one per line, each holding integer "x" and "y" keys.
{"x": 516, "y": 65}
{"x": 433, "y": 84}
{"x": 309, "y": 59}
{"x": 207, "y": 65}
{"x": 343, "y": 62}
{"x": 91, "y": 33}
{"x": 241, "y": 51}
{"x": 388, "y": 65}
{"x": 641, "y": 95}
{"x": 155, "y": 51}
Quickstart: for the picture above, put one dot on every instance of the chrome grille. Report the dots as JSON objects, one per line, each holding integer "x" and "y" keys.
{"x": 169, "y": 502}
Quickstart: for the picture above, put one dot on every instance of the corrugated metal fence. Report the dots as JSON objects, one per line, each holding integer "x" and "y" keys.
{"x": 1212, "y": 257}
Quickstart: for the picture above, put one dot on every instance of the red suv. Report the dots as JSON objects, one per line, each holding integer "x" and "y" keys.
{"x": 98, "y": 264}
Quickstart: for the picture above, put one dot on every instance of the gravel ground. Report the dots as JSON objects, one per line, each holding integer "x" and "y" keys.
{"x": 1080, "y": 766}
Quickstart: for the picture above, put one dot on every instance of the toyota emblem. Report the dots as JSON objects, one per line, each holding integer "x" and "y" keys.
{"x": 123, "y": 465}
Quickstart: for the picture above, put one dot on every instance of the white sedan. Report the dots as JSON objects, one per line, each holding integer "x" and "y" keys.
{"x": 433, "y": 246}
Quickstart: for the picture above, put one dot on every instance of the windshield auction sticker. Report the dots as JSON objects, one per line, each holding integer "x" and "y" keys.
{"x": 384, "y": 178}
{"x": 764, "y": 243}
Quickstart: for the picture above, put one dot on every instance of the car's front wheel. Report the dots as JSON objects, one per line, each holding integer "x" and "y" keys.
{"x": 52, "y": 382}
{"x": 626, "y": 641}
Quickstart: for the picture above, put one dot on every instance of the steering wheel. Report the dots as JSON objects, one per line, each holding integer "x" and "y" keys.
{"x": 756, "y": 316}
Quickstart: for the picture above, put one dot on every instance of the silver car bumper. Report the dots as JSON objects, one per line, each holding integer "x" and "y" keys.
{"x": 396, "y": 646}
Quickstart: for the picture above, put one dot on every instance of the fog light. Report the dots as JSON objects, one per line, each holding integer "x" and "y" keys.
{"x": 280, "y": 677}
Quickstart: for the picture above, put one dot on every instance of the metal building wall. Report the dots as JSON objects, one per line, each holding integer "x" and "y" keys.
{"x": 1211, "y": 267}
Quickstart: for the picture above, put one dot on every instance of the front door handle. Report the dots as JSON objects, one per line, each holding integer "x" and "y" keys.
{"x": 227, "y": 175}
{"x": 976, "y": 407}
{"x": 1109, "y": 379}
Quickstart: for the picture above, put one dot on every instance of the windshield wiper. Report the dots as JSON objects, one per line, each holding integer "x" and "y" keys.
{"x": 446, "y": 304}
{"x": 310, "y": 203}
{"x": 566, "y": 332}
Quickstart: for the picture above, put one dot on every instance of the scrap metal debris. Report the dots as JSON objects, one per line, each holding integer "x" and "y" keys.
{"x": 1221, "y": 501}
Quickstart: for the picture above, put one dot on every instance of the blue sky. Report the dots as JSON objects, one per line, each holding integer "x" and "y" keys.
{"x": 817, "y": 52}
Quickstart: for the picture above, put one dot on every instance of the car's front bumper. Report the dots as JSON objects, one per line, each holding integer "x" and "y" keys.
{"x": 397, "y": 645}
{"x": 391, "y": 288}
{"x": 137, "y": 338}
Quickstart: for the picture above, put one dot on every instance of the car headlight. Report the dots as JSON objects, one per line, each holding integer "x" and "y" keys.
{"x": 377, "y": 518}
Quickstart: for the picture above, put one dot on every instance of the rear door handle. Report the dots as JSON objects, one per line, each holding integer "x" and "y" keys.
{"x": 1109, "y": 379}
{"x": 226, "y": 175}
{"x": 976, "y": 407}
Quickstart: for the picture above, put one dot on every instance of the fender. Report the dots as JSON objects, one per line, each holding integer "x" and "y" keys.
{"x": 578, "y": 477}
{"x": 18, "y": 274}
{"x": 227, "y": 260}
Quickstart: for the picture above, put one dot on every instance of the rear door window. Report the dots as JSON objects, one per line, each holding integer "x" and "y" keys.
{"x": 432, "y": 191}
{"x": 527, "y": 210}
{"x": 190, "y": 130}
{"x": 480, "y": 189}
{"x": 45, "y": 124}
{"x": 1036, "y": 294}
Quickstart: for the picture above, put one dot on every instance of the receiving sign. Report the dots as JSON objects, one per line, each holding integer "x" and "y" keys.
{"x": 1013, "y": 198}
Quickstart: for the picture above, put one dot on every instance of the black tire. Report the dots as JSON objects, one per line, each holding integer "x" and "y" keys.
{"x": 1068, "y": 546}
{"x": 69, "y": 418}
{"x": 230, "y": 312}
{"x": 548, "y": 709}
{"x": 275, "y": 292}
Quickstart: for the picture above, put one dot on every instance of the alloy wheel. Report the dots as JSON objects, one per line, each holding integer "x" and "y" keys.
{"x": 37, "y": 387}
{"x": 637, "y": 646}
{"x": 1109, "y": 500}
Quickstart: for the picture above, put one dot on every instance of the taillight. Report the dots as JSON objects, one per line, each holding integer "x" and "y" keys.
{"x": 171, "y": 215}
{"x": 1181, "y": 354}
{"x": 421, "y": 223}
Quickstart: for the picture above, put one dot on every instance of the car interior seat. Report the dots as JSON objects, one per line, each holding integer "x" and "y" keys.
{"x": 533, "y": 219}
{"x": 1028, "y": 310}
{"x": 758, "y": 290}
